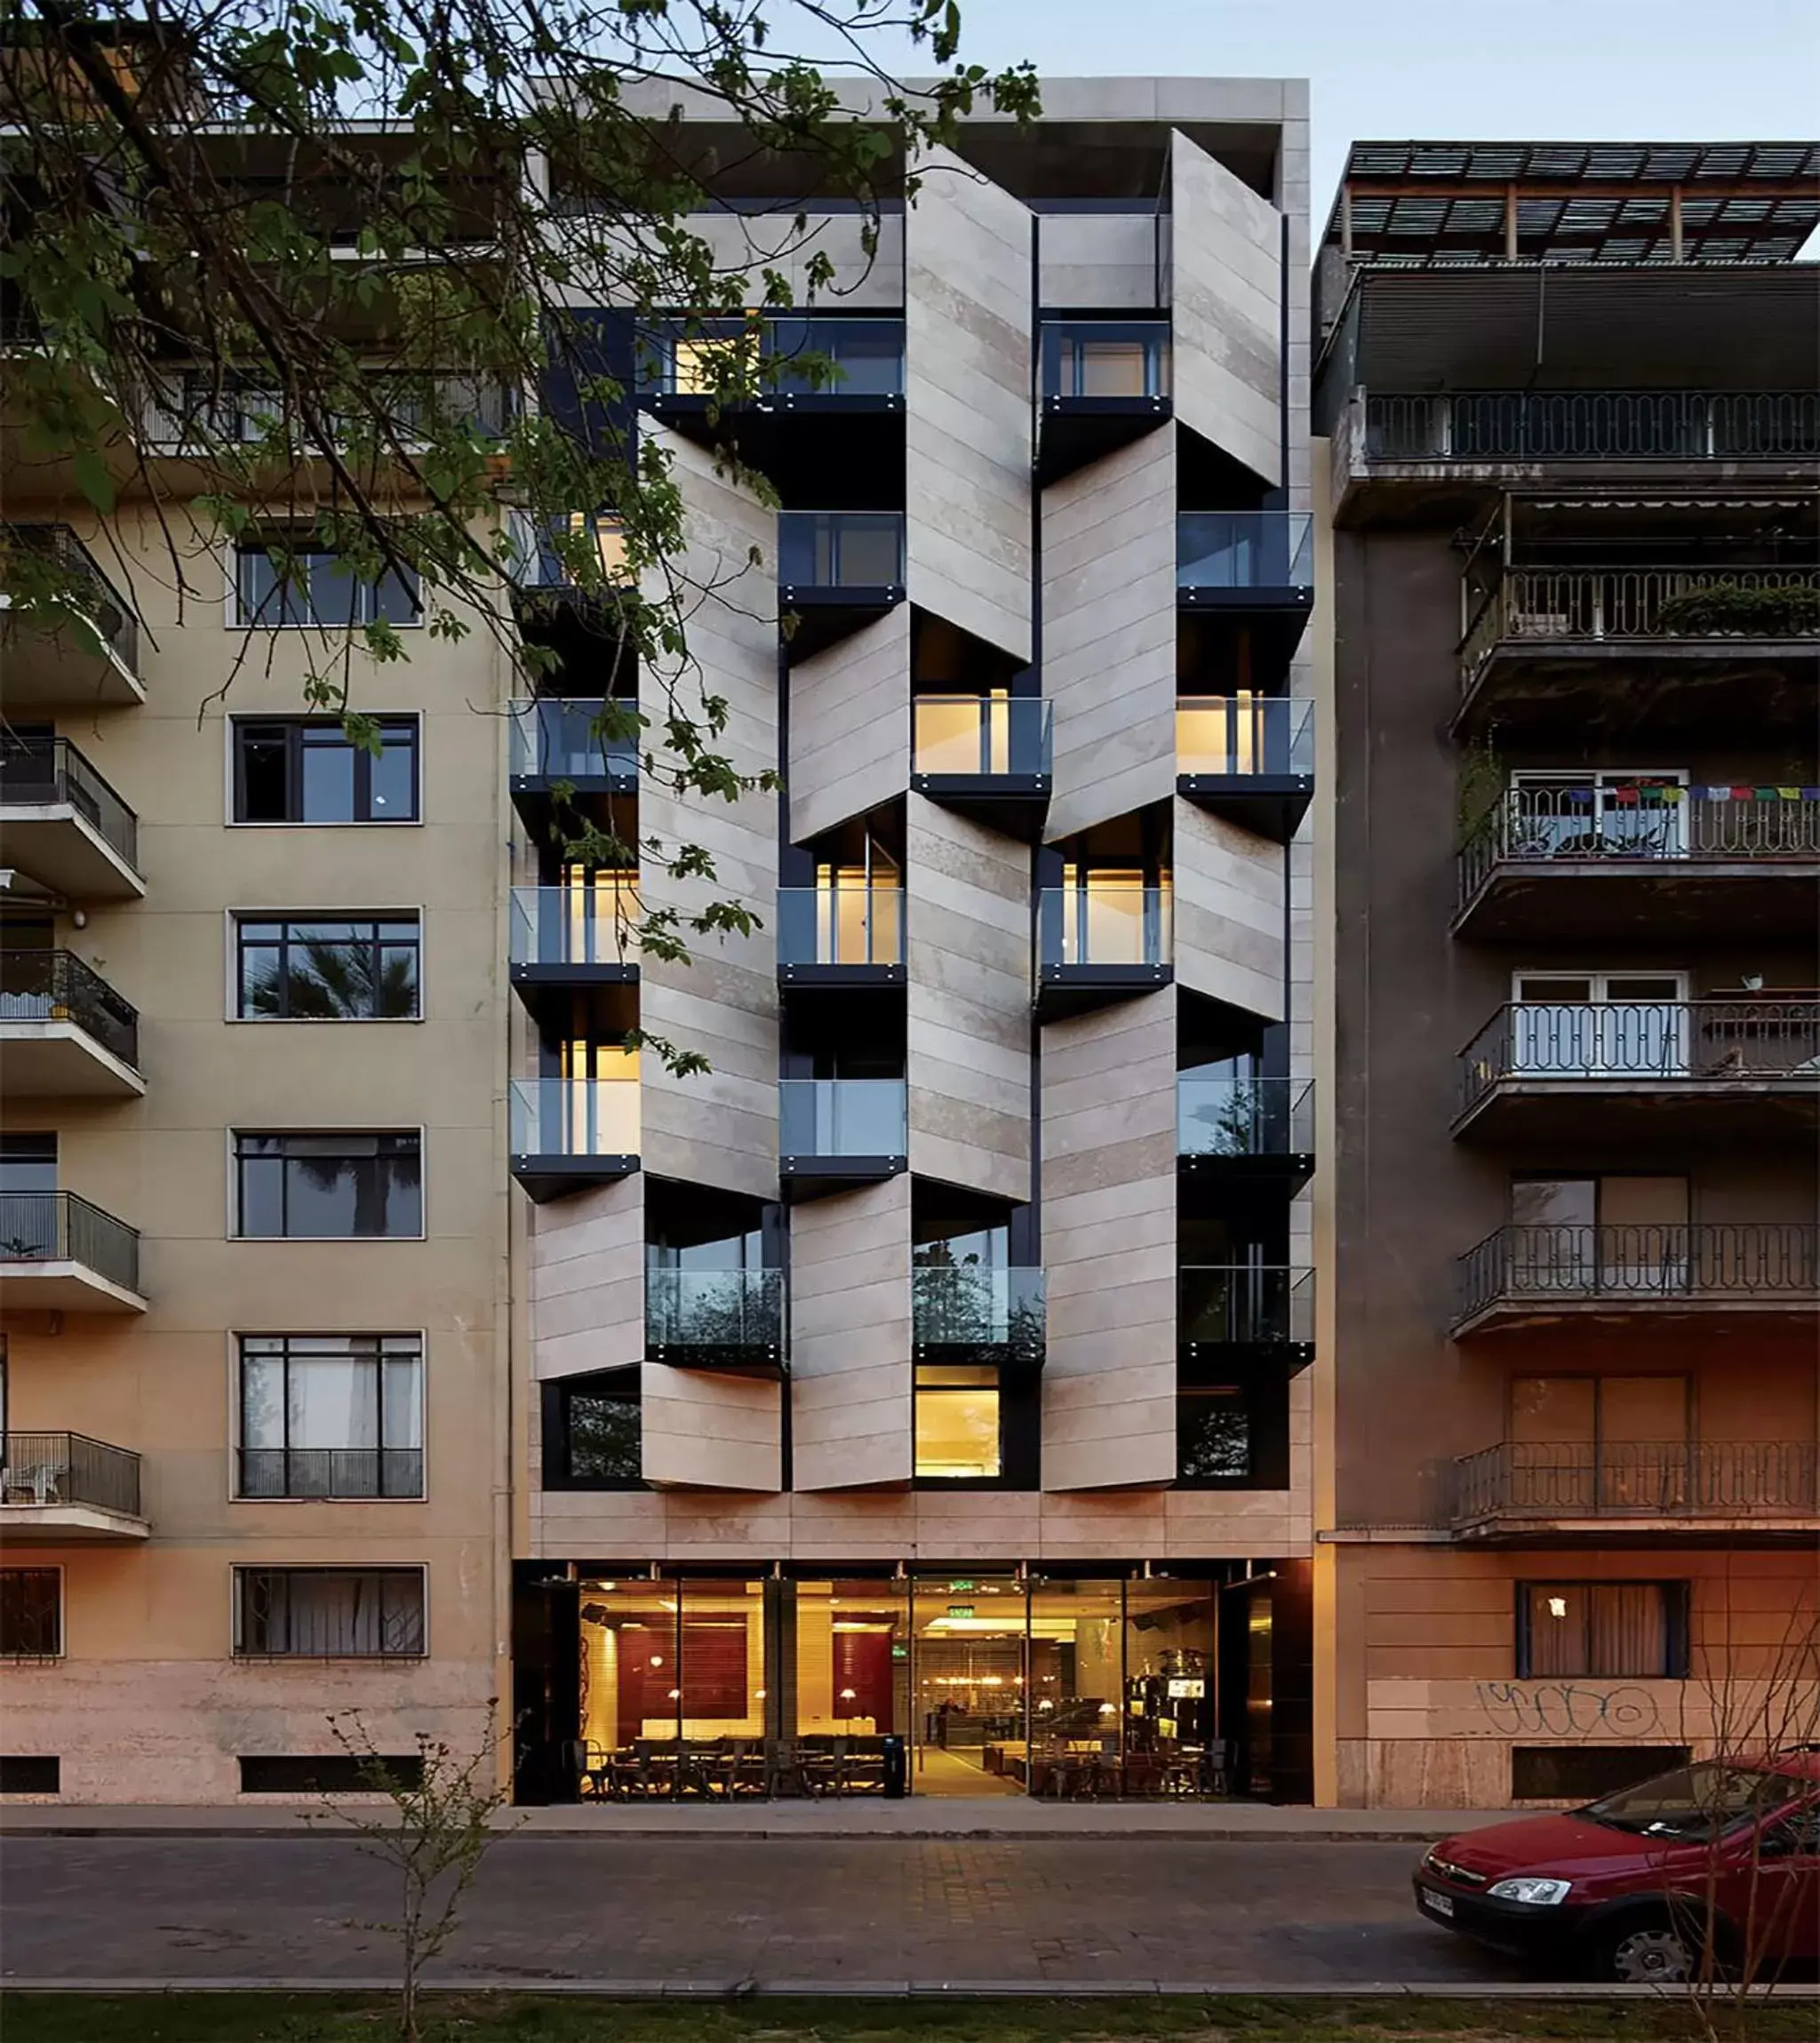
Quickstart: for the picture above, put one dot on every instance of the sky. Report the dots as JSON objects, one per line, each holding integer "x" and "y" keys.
{"x": 1395, "y": 70}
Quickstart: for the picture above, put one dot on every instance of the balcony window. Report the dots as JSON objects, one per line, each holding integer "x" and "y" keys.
{"x": 328, "y": 1187}
{"x": 958, "y": 736}
{"x": 1106, "y": 358}
{"x": 840, "y": 549}
{"x": 1107, "y": 916}
{"x": 307, "y": 769}
{"x": 329, "y": 1613}
{"x": 314, "y": 588}
{"x": 31, "y": 1613}
{"x": 1244, "y": 550}
{"x": 334, "y": 968}
{"x": 1243, "y": 736}
{"x": 592, "y": 1432}
{"x": 1213, "y": 1435}
{"x": 957, "y": 1422}
{"x": 837, "y": 1117}
{"x": 1602, "y": 1630}
{"x": 331, "y": 1415}
{"x": 850, "y": 916}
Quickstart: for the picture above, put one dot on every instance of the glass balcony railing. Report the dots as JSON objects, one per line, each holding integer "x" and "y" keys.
{"x": 573, "y": 738}
{"x": 1244, "y": 1117}
{"x": 840, "y": 926}
{"x": 958, "y": 736}
{"x": 1245, "y": 550}
{"x": 840, "y": 549}
{"x": 835, "y": 1117}
{"x": 1104, "y": 923}
{"x": 1240, "y": 737}
{"x": 56, "y": 985}
{"x": 1110, "y": 358}
{"x": 974, "y": 1307}
{"x": 1244, "y": 1305}
{"x": 798, "y": 357}
{"x": 584, "y": 925}
{"x": 714, "y": 1309}
{"x": 574, "y": 1117}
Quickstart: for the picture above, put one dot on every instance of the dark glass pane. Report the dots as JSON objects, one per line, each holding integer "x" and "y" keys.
{"x": 1213, "y": 1440}
{"x": 28, "y": 1162}
{"x": 29, "y": 1610}
{"x": 333, "y": 592}
{"x": 395, "y": 775}
{"x": 396, "y": 990}
{"x": 261, "y": 989}
{"x": 332, "y": 1196}
{"x": 331, "y": 980}
{"x": 603, "y": 1439}
{"x": 328, "y": 777}
{"x": 400, "y": 1194}
{"x": 261, "y": 1196}
{"x": 264, "y": 775}
{"x": 394, "y": 597}
{"x": 262, "y": 596}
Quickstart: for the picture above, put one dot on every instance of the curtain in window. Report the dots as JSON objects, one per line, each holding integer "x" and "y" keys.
{"x": 1618, "y": 1630}
{"x": 328, "y": 1613}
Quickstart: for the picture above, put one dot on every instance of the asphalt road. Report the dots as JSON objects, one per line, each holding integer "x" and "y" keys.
{"x": 683, "y": 1911}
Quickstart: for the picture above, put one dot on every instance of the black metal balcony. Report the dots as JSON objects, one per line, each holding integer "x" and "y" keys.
{"x": 571, "y": 746}
{"x": 41, "y": 987}
{"x": 566, "y": 1135}
{"x": 69, "y": 636}
{"x": 1239, "y": 1312}
{"x": 715, "y": 1320}
{"x": 569, "y": 939}
{"x": 50, "y": 1474}
{"x": 1573, "y": 1071}
{"x": 59, "y": 1252}
{"x": 347, "y": 1472}
{"x": 1261, "y": 1128}
{"x": 66, "y": 828}
{"x": 1104, "y": 383}
{"x": 989, "y": 757}
{"x": 1529, "y": 1275}
{"x": 1522, "y": 1488}
{"x": 1593, "y": 860}
{"x": 837, "y": 572}
{"x": 1099, "y": 941}
{"x": 1249, "y": 759}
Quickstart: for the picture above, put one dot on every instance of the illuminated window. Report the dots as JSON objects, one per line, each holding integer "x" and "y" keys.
{"x": 957, "y": 1422}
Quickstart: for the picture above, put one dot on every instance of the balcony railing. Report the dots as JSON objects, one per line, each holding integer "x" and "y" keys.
{"x": 850, "y": 358}
{"x": 714, "y": 1309}
{"x": 841, "y": 926}
{"x": 49, "y": 773}
{"x": 335, "y": 1472}
{"x": 1652, "y": 825}
{"x": 1681, "y": 1042}
{"x": 1715, "y": 1262}
{"x": 1244, "y": 1117}
{"x": 561, "y": 737}
{"x": 955, "y": 736}
{"x": 1245, "y": 550}
{"x": 1106, "y": 358}
{"x": 83, "y": 586}
{"x": 835, "y": 1117}
{"x": 48, "y": 1468}
{"x": 1593, "y": 426}
{"x": 1570, "y": 606}
{"x": 574, "y": 1117}
{"x": 57, "y": 986}
{"x": 973, "y": 1307}
{"x": 1109, "y": 923}
{"x": 840, "y": 549}
{"x": 1241, "y": 737}
{"x": 1244, "y": 1305}
{"x": 1636, "y": 1478}
{"x": 60, "y": 1227}
{"x": 584, "y": 924}
{"x": 407, "y": 410}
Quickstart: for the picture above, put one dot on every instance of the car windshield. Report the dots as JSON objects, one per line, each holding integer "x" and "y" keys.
{"x": 1698, "y": 1801}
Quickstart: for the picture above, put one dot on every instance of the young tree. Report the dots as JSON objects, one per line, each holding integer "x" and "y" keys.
{"x": 298, "y": 274}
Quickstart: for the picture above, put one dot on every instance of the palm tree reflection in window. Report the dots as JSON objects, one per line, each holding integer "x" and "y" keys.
{"x": 329, "y": 970}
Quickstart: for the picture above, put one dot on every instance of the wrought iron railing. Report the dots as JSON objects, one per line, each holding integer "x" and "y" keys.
{"x": 1636, "y": 1478}
{"x": 1244, "y": 550}
{"x": 47, "y": 1468}
{"x": 1593, "y": 425}
{"x": 856, "y": 925}
{"x": 840, "y": 549}
{"x": 1682, "y": 1042}
{"x": 1242, "y": 737}
{"x": 1533, "y": 825}
{"x": 714, "y": 1309}
{"x": 1571, "y": 605}
{"x": 1244, "y": 1116}
{"x": 60, "y": 1227}
{"x": 1716, "y": 1261}
{"x": 49, "y": 773}
{"x": 835, "y": 1117}
{"x": 975, "y": 1306}
{"x": 337, "y": 1471}
{"x": 94, "y": 598}
{"x": 57, "y": 986}
{"x": 1243, "y": 1303}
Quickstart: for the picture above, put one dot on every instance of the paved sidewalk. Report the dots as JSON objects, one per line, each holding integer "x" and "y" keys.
{"x": 1012, "y": 1817}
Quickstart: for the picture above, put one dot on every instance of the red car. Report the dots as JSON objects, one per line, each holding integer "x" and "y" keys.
{"x": 1627, "y": 1887}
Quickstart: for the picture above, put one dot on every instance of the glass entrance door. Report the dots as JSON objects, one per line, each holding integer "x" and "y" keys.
{"x": 970, "y": 1684}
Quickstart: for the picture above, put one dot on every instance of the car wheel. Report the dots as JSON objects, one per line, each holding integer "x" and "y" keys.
{"x": 1645, "y": 1954}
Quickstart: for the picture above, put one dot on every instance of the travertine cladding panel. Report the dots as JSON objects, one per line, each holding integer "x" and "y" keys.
{"x": 1109, "y": 1245}
{"x": 967, "y": 892}
{"x": 1109, "y": 633}
{"x": 850, "y": 1339}
{"x": 967, "y": 341}
{"x": 711, "y": 1432}
{"x": 1226, "y": 283}
{"x": 850, "y": 726}
{"x": 1105, "y": 262}
{"x": 718, "y": 1127}
{"x": 588, "y": 1282}
{"x": 1229, "y": 912}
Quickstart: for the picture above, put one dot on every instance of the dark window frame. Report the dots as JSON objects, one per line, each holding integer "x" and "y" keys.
{"x": 1677, "y": 1601}
{"x": 294, "y": 604}
{"x": 248, "y": 1621}
{"x": 401, "y": 732}
{"x": 381, "y": 1348}
{"x": 16, "y": 1620}
{"x": 289, "y": 923}
{"x": 242, "y": 1137}
{"x": 620, "y": 1386}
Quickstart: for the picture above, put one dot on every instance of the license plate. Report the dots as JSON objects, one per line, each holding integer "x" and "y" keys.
{"x": 1438, "y": 1903}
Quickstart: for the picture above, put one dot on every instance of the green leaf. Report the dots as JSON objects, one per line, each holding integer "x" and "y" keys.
{"x": 92, "y": 479}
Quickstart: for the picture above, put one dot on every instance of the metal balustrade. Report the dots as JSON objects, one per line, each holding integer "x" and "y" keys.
{"x": 49, "y": 773}
{"x": 810, "y": 356}
{"x": 1470, "y": 426}
{"x": 57, "y": 986}
{"x": 40, "y": 1468}
{"x": 1534, "y": 826}
{"x": 1105, "y": 923}
{"x": 1244, "y": 1117}
{"x": 1636, "y": 1478}
{"x": 90, "y": 595}
{"x": 200, "y": 409}
{"x": 60, "y": 1227}
{"x": 714, "y": 1309}
{"x": 1106, "y": 359}
{"x": 1687, "y": 1043}
{"x": 1642, "y": 1263}
{"x": 331, "y": 1472}
{"x": 1244, "y": 1304}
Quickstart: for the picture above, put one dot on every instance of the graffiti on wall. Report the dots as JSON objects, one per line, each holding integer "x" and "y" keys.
{"x": 1568, "y": 1709}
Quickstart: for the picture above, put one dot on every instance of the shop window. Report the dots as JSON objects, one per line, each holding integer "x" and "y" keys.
{"x": 31, "y": 1613}
{"x": 957, "y": 1422}
{"x": 1620, "y": 1630}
